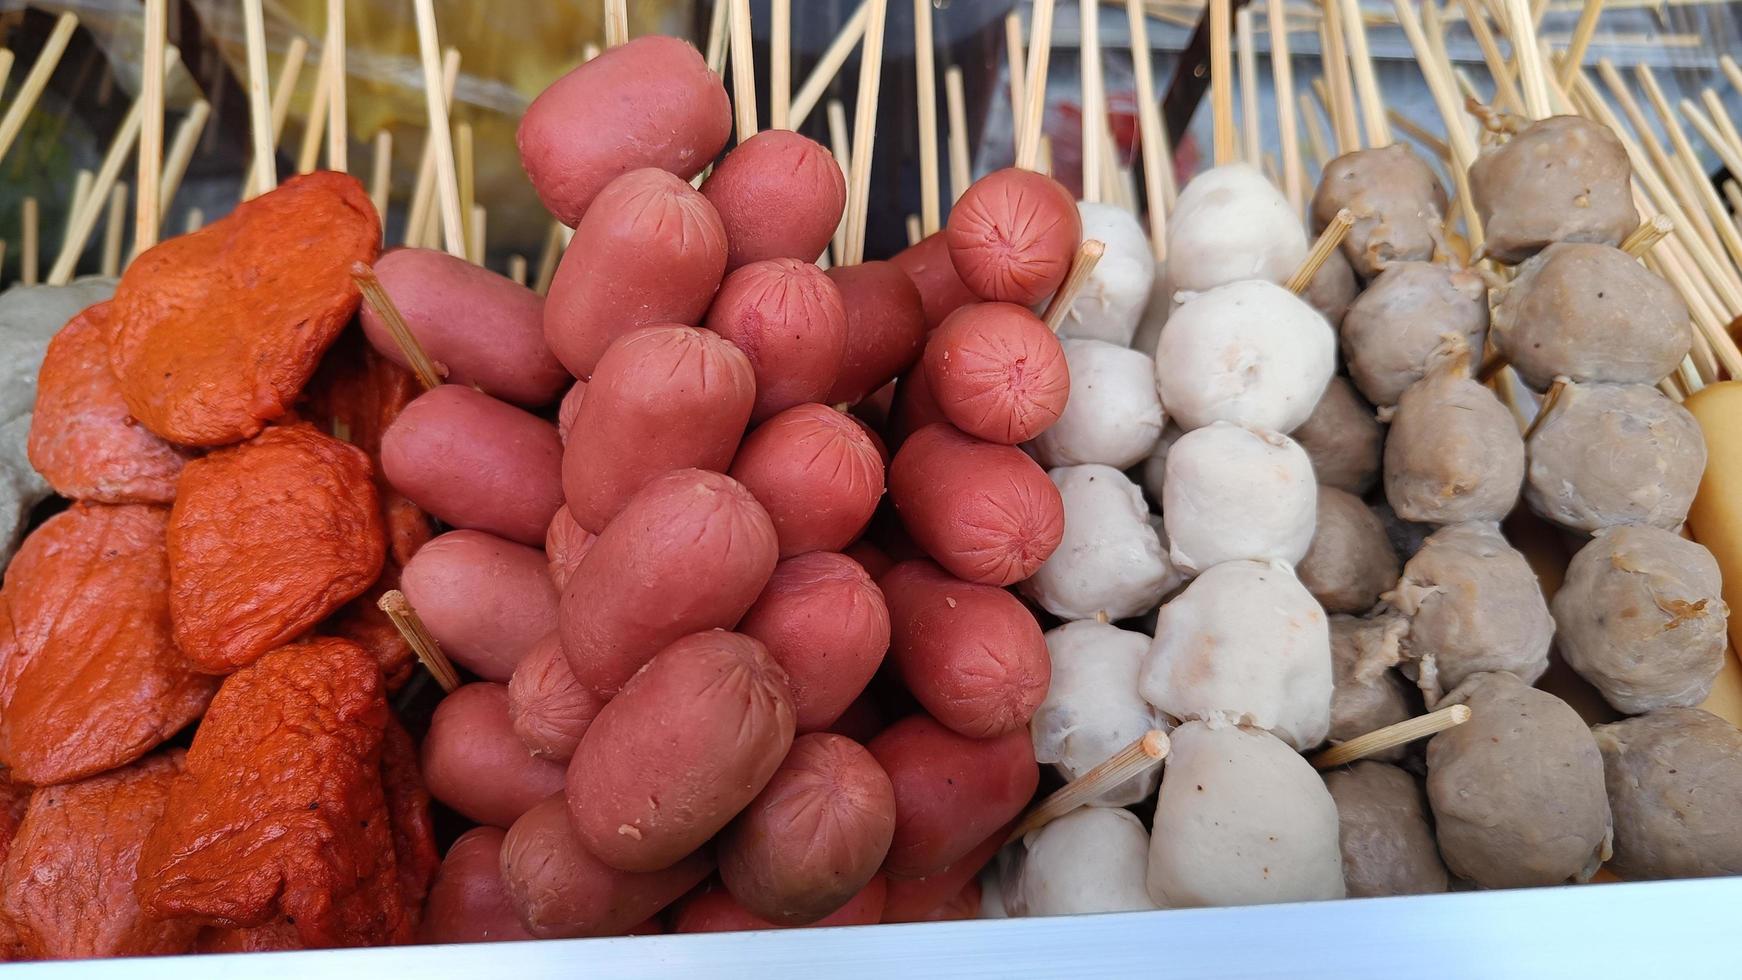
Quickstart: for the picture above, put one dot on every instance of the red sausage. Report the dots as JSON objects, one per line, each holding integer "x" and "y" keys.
{"x": 823, "y": 620}
{"x": 481, "y": 328}
{"x": 1012, "y": 236}
{"x": 473, "y": 761}
{"x": 814, "y": 836}
{"x": 780, "y": 196}
{"x": 565, "y": 544}
{"x": 547, "y": 707}
{"x": 649, "y": 103}
{"x": 885, "y": 328}
{"x": 997, "y": 373}
{"x": 560, "y": 890}
{"x": 486, "y": 601}
{"x": 971, "y": 654}
{"x": 570, "y": 407}
{"x": 476, "y": 462}
{"x": 914, "y": 408}
{"x": 985, "y": 512}
{"x": 922, "y": 899}
{"x": 787, "y": 317}
{"x": 951, "y": 792}
{"x": 662, "y": 398}
{"x": 690, "y": 552}
{"x": 819, "y": 474}
{"x": 467, "y": 903}
{"x": 685, "y": 746}
{"x": 650, "y": 250}
{"x": 714, "y": 909}
{"x": 941, "y": 290}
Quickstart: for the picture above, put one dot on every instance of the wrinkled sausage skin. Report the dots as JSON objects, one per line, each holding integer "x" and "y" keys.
{"x": 1012, "y": 236}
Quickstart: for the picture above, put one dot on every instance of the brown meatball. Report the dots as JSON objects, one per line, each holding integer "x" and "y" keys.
{"x": 1675, "y": 786}
{"x": 1367, "y": 694}
{"x": 1397, "y": 201}
{"x": 1393, "y": 329}
{"x": 1388, "y": 845}
{"x": 1640, "y": 617}
{"x": 1332, "y": 289}
{"x": 1614, "y": 454}
{"x": 1343, "y": 438}
{"x": 1592, "y": 313}
{"x": 1453, "y": 452}
{"x": 1563, "y": 179}
{"x": 1517, "y": 791}
{"x": 1473, "y": 605}
{"x": 1350, "y": 561}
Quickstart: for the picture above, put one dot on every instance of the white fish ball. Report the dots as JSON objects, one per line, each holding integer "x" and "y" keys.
{"x": 1113, "y": 415}
{"x": 1248, "y": 352}
{"x": 1089, "y": 860}
{"x": 1109, "y": 560}
{"x": 1092, "y": 710}
{"x": 1231, "y": 223}
{"x": 1113, "y": 300}
{"x": 1233, "y": 492}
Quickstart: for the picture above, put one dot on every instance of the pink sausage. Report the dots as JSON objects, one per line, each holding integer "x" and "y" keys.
{"x": 484, "y": 329}
{"x": 476, "y": 462}
{"x": 560, "y": 890}
{"x": 819, "y": 474}
{"x": 951, "y": 792}
{"x": 690, "y": 552}
{"x": 649, "y": 103}
{"x": 547, "y": 707}
{"x": 663, "y": 398}
{"x": 985, "y": 512}
{"x": 570, "y": 407}
{"x": 714, "y": 909}
{"x": 823, "y": 620}
{"x": 923, "y": 899}
{"x": 940, "y": 289}
{"x": 780, "y": 196}
{"x": 650, "y": 250}
{"x": 688, "y": 743}
{"x": 565, "y": 544}
{"x": 467, "y": 903}
{"x": 914, "y": 409}
{"x": 787, "y": 317}
{"x": 473, "y": 761}
{"x": 486, "y": 601}
{"x": 996, "y": 372}
{"x": 971, "y": 654}
{"x": 1012, "y": 236}
{"x": 885, "y": 328}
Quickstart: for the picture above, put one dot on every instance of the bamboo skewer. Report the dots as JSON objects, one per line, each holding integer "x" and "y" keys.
{"x": 259, "y": 109}
{"x": 865, "y": 130}
{"x": 617, "y": 23}
{"x": 1372, "y": 106}
{"x": 1015, "y": 58}
{"x": 780, "y": 64}
{"x": 1250, "y": 141}
{"x": 374, "y": 294}
{"x": 961, "y": 159}
{"x": 381, "y": 174}
{"x": 289, "y": 70}
{"x": 113, "y": 230}
{"x": 466, "y": 172}
{"x": 840, "y": 144}
{"x": 1434, "y": 144}
{"x": 1646, "y": 236}
{"x": 1550, "y": 398}
{"x": 1034, "y": 87}
{"x": 926, "y": 93}
{"x": 1151, "y": 136}
{"x": 829, "y": 65}
{"x": 417, "y": 636}
{"x": 423, "y": 190}
{"x": 314, "y": 131}
{"x": 1341, "y": 98}
{"x": 1391, "y": 736}
{"x": 554, "y": 242}
{"x": 1221, "y": 85}
{"x": 1706, "y": 197}
{"x": 1721, "y": 118}
{"x": 914, "y": 231}
{"x": 1312, "y": 123}
{"x": 196, "y": 219}
{"x": 338, "y": 122}
{"x": 1506, "y": 94}
{"x": 717, "y": 35}
{"x": 1128, "y": 763}
{"x": 1718, "y": 141}
{"x": 1323, "y": 246}
{"x": 743, "y": 72}
{"x": 30, "y": 233}
{"x": 181, "y": 151}
{"x": 1282, "y": 75}
{"x": 517, "y": 269}
{"x": 1521, "y": 29}
{"x": 81, "y": 194}
{"x": 149, "y": 176}
{"x": 1094, "y": 100}
{"x": 6, "y": 60}
{"x": 447, "y": 180}
{"x": 475, "y": 239}
{"x": 1082, "y": 266}
{"x": 1582, "y": 33}
{"x": 1445, "y": 95}
{"x": 36, "y": 80}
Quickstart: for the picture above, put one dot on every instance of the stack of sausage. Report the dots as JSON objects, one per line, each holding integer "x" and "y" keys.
{"x": 216, "y": 561}
{"x": 681, "y": 698}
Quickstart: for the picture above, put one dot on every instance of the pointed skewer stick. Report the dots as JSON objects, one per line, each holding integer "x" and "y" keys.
{"x": 961, "y": 160}
{"x": 1088, "y": 256}
{"x": 289, "y": 70}
{"x": 717, "y": 35}
{"x": 1323, "y": 246}
{"x": 148, "y": 214}
{"x": 617, "y": 23}
{"x": 1282, "y": 74}
{"x": 1221, "y": 85}
{"x": 1706, "y": 199}
{"x": 381, "y": 174}
{"x": 829, "y": 65}
{"x": 81, "y": 193}
{"x": 314, "y": 128}
{"x": 1646, "y": 236}
{"x": 417, "y": 636}
{"x": 865, "y": 130}
{"x": 1341, "y": 98}
{"x": 1250, "y": 125}
{"x": 376, "y": 296}
{"x": 1444, "y": 90}
{"x": 1033, "y": 127}
{"x": 840, "y": 144}
{"x": 259, "y": 107}
{"x": 181, "y": 150}
{"x": 338, "y": 121}
{"x": 743, "y": 72}
{"x": 926, "y": 94}
{"x": 1016, "y": 59}
{"x": 1094, "y": 97}
{"x": 1391, "y": 736}
{"x": 30, "y": 232}
{"x": 1582, "y": 33}
{"x": 1521, "y": 30}
{"x": 1128, "y": 763}
{"x": 780, "y": 64}
{"x": 447, "y": 180}
{"x": 36, "y": 80}
{"x": 112, "y": 232}
{"x": 423, "y": 191}
{"x": 1157, "y": 162}
{"x": 1372, "y": 105}
{"x": 517, "y": 268}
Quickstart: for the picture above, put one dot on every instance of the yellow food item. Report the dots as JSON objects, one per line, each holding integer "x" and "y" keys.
{"x": 1716, "y": 522}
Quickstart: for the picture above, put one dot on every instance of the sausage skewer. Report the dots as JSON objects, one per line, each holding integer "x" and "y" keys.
{"x": 383, "y": 305}
{"x": 429, "y": 652}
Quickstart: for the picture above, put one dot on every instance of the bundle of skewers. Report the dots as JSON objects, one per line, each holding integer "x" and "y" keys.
{"x": 1147, "y": 547}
